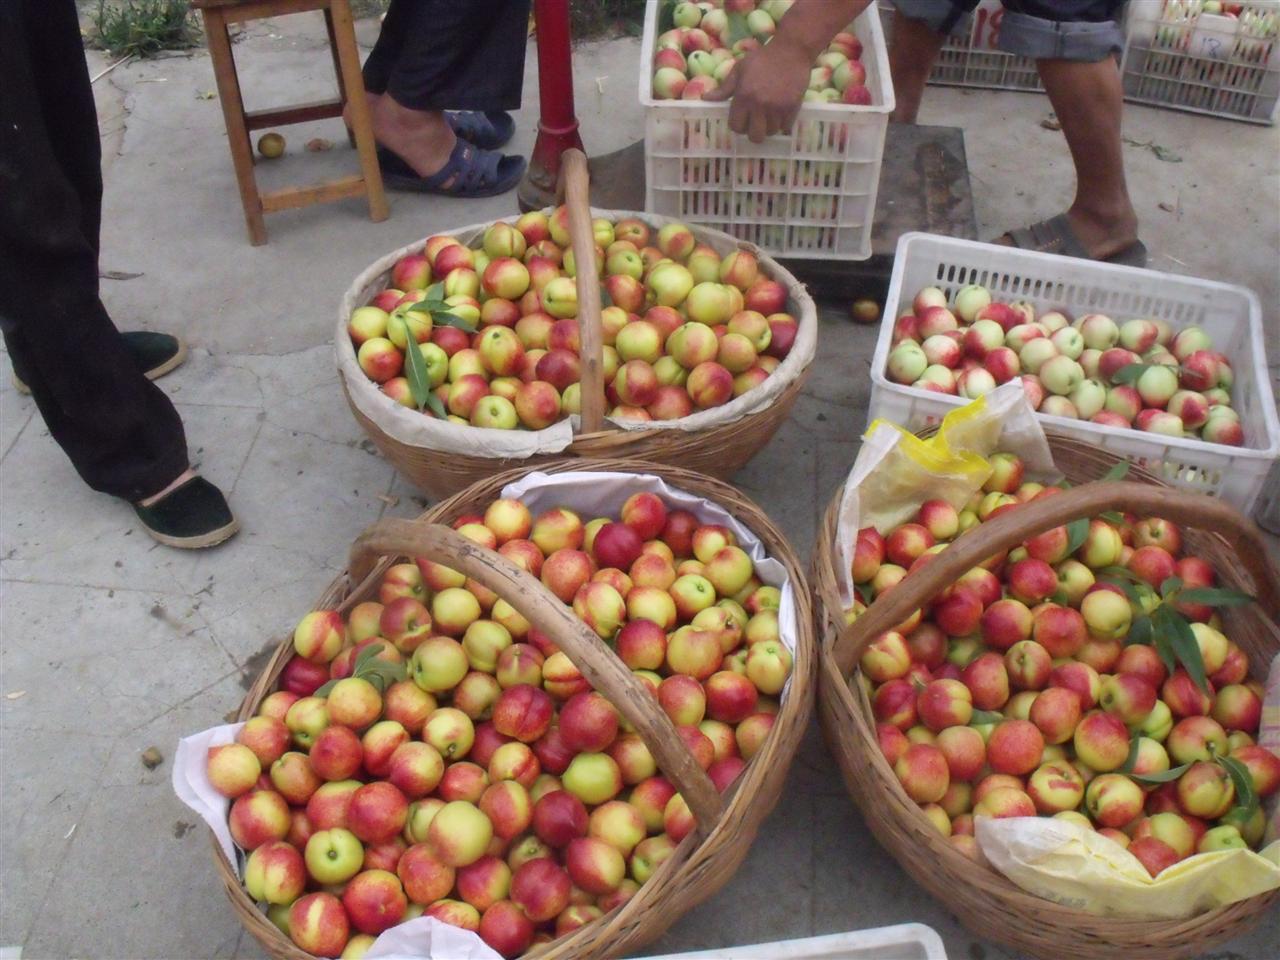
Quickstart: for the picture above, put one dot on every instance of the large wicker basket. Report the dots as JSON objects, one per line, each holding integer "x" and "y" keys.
{"x": 727, "y": 824}
{"x": 984, "y": 900}
{"x": 718, "y": 450}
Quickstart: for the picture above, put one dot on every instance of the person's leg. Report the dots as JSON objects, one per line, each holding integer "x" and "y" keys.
{"x": 1075, "y": 44}
{"x": 452, "y": 57}
{"x": 920, "y": 28}
{"x": 120, "y": 431}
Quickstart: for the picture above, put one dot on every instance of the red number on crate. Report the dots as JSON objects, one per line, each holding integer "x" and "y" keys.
{"x": 987, "y": 31}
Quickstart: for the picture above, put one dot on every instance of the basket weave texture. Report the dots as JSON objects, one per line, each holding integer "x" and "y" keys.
{"x": 707, "y": 858}
{"x": 985, "y": 901}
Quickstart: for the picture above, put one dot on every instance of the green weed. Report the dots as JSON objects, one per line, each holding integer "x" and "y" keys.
{"x": 142, "y": 28}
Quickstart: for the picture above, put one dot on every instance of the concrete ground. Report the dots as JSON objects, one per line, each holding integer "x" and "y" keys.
{"x": 112, "y": 644}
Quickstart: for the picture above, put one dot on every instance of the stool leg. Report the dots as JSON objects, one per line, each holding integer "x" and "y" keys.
{"x": 361, "y": 124}
{"x": 337, "y": 67}
{"x": 224, "y": 72}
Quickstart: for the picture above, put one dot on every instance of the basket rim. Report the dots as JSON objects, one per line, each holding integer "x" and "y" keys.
{"x": 740, "y": 804}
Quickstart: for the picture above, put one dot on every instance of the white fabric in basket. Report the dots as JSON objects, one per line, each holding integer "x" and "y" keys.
{"x": 411, "y": 427}
{"x": 1009, "y": 424}
{"x": 191, "y": 784}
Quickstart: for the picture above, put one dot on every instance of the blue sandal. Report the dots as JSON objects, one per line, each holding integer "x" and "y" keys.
{"x": 474, "y": 172}
{"x": 488, "y": 130}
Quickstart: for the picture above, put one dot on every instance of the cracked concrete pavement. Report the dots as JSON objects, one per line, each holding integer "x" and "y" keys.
{"x": 112, "y": 644}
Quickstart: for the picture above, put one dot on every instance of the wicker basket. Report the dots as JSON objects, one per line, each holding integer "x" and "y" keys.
{"x": 707, "y": 858}
{"x": 718, "y": 450}
{"x": 985, "y": 901}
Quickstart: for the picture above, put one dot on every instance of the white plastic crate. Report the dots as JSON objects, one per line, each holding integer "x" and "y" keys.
{"x": 906, "y": 941}
{"x": 975, "y": 60}
{"x": 1231, "y": 315}
{"x": 1224, "y": 66}
{"x": 811, "y": 194}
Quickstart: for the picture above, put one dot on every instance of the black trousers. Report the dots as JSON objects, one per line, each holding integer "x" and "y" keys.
{"x": 119, "y": 429}
{"x": 451, "y": 55}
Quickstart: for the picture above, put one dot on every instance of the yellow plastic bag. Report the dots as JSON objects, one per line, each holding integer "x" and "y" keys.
{"x": 1080, "y": 868}
{"x": 896, "y": 471}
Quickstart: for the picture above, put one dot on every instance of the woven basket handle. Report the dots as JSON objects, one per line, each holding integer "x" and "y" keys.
{"x": 1013, "y": 527}
{"x": 576, "y": 186}
{"x": 545, "y": 612}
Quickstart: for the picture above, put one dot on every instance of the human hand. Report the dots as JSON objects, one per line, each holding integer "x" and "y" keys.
{"x": 767, "y": 87}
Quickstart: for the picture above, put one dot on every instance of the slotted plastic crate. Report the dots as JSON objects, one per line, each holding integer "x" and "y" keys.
{"x": 811, "y": 194}
{"x": 973, "y": 60}
{"x": 1231, "y": 315}
{"x": 1204, "y": 63}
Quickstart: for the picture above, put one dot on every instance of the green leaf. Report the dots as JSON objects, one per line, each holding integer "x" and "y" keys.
{"x": 436, "y": 405}
{"x": 738, "y": 29}
{"x": 323, "y": 691}
{"x": 605, "y": 299}
{"x": 1183, "y": 641}
{"x": 1130, "y": 373}
{"x": 1139, "y": 631}
{"x": 1163, "y": 776}
{"x": 1171, "y": 585}
{"x": 1165, "y": 648}
{"x": 435, "y": 291}
{"x": 865, "y": 592}
{"x": 985, "y": 716}
{"x": 1118, "y": 472}
{"x": 1215, "y": 597}
{"x": 429, "y": 306}
{"x": 1110, "y": 515}
{"x": 1242, "y": 779}
{"x": 368, "y": 653}
{"x": 1132, "y": 758}
{"x": 415, "y": 370}
{"x": 1077, "y": 533}
{"x": 1120, "y": 573}
{"x": 453, "y": 320}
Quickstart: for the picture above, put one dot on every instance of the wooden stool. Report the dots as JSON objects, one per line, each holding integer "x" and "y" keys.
{"x": 346, "y": 64}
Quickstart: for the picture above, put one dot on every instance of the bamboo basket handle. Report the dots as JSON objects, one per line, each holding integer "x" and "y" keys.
{"x": 576, "y": 184}
{"x": 1015, "y": 526}
{"x": 393, "y": 537}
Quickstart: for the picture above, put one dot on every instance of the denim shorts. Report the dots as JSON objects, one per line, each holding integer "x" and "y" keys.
{"x": 1084, "y": 30}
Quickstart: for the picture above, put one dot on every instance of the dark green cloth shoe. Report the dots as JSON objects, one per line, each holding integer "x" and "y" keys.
{"x": 155, "y": 354}
{"x": 190, "y": 517}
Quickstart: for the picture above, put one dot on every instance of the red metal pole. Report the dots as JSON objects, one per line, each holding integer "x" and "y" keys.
{"x": 558, "y": 124}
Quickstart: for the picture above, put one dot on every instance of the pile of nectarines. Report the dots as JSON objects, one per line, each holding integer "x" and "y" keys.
{"x": 707, "y": 39}
{"x": 1084, "y": 675}
{"x": 433, "y": 754}
{"x": 498, "y": 339}
{"x": 1136, "y": 374}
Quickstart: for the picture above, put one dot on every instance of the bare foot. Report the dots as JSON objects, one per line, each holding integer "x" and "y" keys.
{"x": 369, "y": 98}
{"x": 181, "y": 479}
{"x": 1101, "y": 238}
{"x": 421, "y": 138}
{"x": 1104, "y": 237}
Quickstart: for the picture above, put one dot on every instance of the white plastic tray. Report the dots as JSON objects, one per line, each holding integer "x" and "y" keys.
{"x": 906, "y": 941}
{"x": 1231, "y": 315}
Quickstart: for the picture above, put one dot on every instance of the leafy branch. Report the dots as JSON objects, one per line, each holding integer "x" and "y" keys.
{"x": 368, "y": 667}
{"x": 1163, "y": 626}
